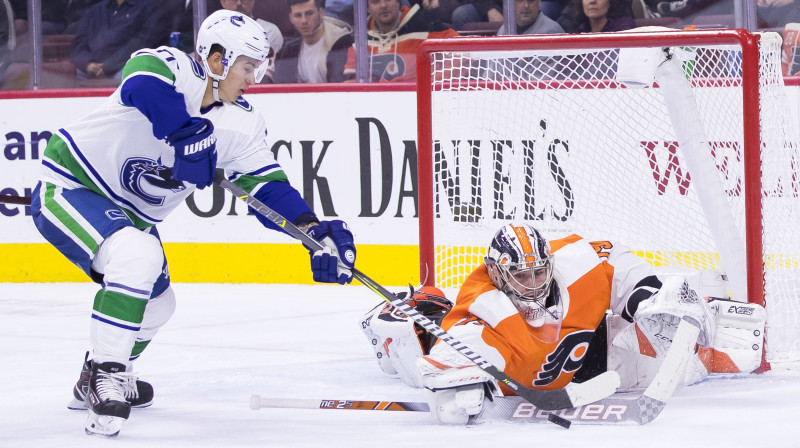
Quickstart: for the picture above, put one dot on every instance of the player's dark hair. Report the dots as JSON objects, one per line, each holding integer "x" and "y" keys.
{"x": 216, "y": 48}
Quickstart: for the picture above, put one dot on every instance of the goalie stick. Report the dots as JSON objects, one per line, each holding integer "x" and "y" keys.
{"x": 584, "y": 393}
{"x": 630, "y": 409}
{"x": 10, "y": 199}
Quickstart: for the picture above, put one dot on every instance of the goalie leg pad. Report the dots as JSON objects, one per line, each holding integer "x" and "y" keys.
{"x": 739, "y": 339}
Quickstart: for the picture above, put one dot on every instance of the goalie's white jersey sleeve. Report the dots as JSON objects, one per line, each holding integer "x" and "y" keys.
{"x": 628, "y": 270}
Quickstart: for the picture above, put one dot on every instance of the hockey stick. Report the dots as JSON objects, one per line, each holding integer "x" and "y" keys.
{"x": 588, "y": 392}
{"x": 621, "y": 409}
{"x": 20, "y": 200}
{"x": 258, "y": 402}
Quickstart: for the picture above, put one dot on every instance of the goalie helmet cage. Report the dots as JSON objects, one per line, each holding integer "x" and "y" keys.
{"x": 696, "y": 171}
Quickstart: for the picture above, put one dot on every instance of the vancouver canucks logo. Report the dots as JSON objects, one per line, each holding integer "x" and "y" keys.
{"x": 241, "y": 102}
{"x": 143, "y": 177}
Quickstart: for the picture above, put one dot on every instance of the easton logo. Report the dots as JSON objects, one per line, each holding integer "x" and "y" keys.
{"x": 740, "y": 310}
{"x": 567, "y": 357}
{"x": 201, "y": 145}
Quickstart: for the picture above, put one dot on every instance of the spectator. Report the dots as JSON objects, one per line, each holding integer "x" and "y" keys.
{"x": 58, "y": 16}
{"x": 604, "y": 15}
{"x": 181, "y": 18}
{"x": 554, "y": 8}
{"x": 340, "y": 9}
{"x": 7, "y": 37}
{"x": 474, "y": 11}
{"x": 274, "y": 36}
{"x": 530, "y": 19}
{"x": 777, "y": 13}
{"x": 394, "y": 34}
{"x": 319, "y": 52}
{"x": 113, "y": 29}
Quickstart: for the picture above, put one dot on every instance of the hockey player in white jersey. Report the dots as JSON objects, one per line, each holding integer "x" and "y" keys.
{"x": 109, "y": 178}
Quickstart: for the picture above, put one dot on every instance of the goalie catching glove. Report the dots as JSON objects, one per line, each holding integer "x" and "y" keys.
{"x": 338, "y": 246}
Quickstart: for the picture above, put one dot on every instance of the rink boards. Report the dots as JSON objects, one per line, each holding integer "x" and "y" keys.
{"x": 352, "y": 154}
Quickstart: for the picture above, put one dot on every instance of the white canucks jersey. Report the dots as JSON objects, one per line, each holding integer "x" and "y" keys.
{"x": 113, "y": 150}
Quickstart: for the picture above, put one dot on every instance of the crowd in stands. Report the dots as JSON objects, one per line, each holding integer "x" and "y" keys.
{"x": 88, "y": 41}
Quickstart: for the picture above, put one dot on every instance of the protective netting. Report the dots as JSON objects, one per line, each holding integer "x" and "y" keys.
{"x": 551, "y": 137}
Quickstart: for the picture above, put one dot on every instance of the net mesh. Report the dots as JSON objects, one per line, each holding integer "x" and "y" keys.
{"x": 553, "y": 138}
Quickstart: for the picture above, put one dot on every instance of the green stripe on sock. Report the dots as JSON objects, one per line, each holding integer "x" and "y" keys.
{"x": 119, "y": 306}
{"x": 65, "y": 218}
{"x": 138, "y": 348}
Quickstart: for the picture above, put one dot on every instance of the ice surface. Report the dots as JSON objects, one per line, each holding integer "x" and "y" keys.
{"x": 227, "y": 342}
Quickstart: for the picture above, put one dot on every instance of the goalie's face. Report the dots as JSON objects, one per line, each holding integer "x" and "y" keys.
{"x": 519, "y": 263}
{"x": 531, "y": 281}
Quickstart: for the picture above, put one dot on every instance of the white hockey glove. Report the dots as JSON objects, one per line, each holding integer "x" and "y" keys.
{"x": 455, "y": 388}
{"x": 658, "y": 317}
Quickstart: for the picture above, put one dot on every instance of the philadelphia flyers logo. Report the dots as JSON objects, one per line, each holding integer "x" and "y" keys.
{"x": 567, "y": 357}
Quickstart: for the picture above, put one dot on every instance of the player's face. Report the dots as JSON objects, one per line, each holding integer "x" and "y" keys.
{"x": 526, "y": 12}
{"x": 306, "y": 17}
{"x": 385, "y": 13}
{"x": 240, "y": 77}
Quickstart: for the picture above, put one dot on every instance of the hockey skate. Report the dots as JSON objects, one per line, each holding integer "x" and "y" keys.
{"x": 137, "y": 392}
{"x": 105, "y": 399}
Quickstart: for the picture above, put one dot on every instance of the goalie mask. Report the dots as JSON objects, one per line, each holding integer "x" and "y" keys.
{"x": 238, "y": 35}
{"x": 519, "y": 265}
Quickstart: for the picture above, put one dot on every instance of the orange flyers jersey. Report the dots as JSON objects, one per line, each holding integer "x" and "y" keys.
{"x": 393, "y": 55}
{"x": 489, "y": 323}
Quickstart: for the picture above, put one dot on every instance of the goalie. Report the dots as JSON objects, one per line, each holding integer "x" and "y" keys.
{"x": 548, "y": 313}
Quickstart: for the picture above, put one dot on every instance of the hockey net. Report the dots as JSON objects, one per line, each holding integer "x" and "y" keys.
{"x": 697, "y": 173}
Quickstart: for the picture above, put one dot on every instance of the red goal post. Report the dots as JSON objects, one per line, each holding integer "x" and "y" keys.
{"x": 522, "y": 127}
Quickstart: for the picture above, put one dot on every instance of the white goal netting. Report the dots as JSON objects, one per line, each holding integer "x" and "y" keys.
{"x": 551, "y": 136}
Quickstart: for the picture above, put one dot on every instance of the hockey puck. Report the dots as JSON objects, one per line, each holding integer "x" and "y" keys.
{"x": 560, "y": 421}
